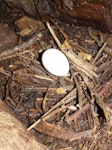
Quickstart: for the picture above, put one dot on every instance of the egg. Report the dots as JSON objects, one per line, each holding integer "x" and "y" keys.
{"x": 55, "y": 62}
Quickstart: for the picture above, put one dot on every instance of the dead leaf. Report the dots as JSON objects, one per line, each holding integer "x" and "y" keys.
{"x": 28, "y": 25}
{"x": 66, "y": 45}
{"x": 84, "y": 56}
{"x": 60, "y": 90}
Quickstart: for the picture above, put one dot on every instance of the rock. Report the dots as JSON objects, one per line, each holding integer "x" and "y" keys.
{"x": 8, "y": 37}
{"x": 97, "y": 14}
{"x": 26, "y": 5}
{"x": 84, "y": 12}
{"x": 13, "y": 134}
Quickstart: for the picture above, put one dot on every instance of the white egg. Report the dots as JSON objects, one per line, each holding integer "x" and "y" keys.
{"x": 55, "y": 62}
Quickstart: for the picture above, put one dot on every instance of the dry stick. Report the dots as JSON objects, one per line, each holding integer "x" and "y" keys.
{"x": 83, "y": 65}
{"x": 79, "y": 92}
{"x": 44, "y": 100}
{"x": 50, "y": 110}
{"x": 88, "y": 84}
{"x": 36, "y": 76}
{"x": 53, "y": 113}
{"x": 100, "y": 51}
{"x": 67, "y": 148}
{"x": 18, "y": 48}
{"x": 66, "y": 37}
{"x": 94, "y": 140}
{"x": 15, "y": 55}
{"x": 54, "y": 36}
{"x": 2, "y": 70}
{"x": 61, "y": 31}
{"x": 40, "y": 67}
{"x": 78, "y": 112}
{"x": 35, "y": 61}
{"x": 87, "y": 105}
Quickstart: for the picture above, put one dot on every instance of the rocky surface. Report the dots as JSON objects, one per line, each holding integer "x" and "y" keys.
{"x": 8, "y": 37}
{"x": 96, "y": 13}
{"x": 91, "y": 13}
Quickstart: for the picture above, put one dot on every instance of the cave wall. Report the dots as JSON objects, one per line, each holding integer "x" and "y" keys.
{"x": 96, "y": 13}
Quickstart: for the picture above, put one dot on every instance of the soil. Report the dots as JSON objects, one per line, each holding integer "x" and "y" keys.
{"x": 30, "y": 91}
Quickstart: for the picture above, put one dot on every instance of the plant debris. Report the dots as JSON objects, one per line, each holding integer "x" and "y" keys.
{"x": 76, "y": 108}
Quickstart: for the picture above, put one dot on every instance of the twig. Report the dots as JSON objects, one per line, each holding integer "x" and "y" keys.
{"x": 100, "y": 51}
{"x": 53, "y": 113}
{"x": 15, "y": 54}
{"x": 62, "y": 133}
{"x": 35, "y": 75}
{"x": 87, "y": 105}
{"x": 76, "y": 61}
{"x": 66, "y": 37}
{"x": 54, "y": 35}
{"x": 54, "y": 107}
{"x": 24, "y": 57}
{"x": 94, "y": 37}
{"x": 2, "y": 70}
{"x": 67, "y": 148}
{"x": 88, "y": 84}
{"x": 44, "y": 100}
{"x": 18, "y": 48}
{"x": 94, "y": 140}
{"x": 75, "y": 115}
{"x": 79, "y": 92}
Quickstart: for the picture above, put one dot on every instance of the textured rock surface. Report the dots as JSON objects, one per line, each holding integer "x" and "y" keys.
{"x": 96, "y": 13}
{"x": 8, "y": 37}
{"x": 13, "y": 135}
{"x": 26, "y": 5}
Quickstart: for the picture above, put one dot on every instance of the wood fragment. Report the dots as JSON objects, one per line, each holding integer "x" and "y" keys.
{"x": 79, "y": 92}
{"x": 54, "y": 107}
{"x": 19, "y": 48}
{"x": 83, "y": 65}
{"x": 60, "y": 132}
{"x": 2, "y": 70}
{"x": 67, "y": 148}
{"x": 94, "y": 37}
{"x": 75, "y": 115}
{"x": 99, "y": 96}
{"x": 36, "y": 76}
{"x": 99, "y": 52}
{"x": 66, "y": 37}
{"x": 44, "y": 100}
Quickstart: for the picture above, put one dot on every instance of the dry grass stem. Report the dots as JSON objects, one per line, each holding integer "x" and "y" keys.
{"x": 99, "y": 52}
{"x": 81, "y": 64}
{"x": 54, "y": 107}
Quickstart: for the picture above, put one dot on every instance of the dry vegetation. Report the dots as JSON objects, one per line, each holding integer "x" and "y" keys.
{"x": 64, "y": 113}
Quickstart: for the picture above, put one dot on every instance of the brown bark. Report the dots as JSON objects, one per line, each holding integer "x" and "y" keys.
{"x": 13, "y": 134}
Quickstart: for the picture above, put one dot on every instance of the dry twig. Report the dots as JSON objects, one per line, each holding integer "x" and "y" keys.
{"x": 76, "y": 61}
{"x": 100, "y": 51}
{"x": 75, "y": 115}
{"x": 76, "y": 46}
{"x": 53, "y": 108}
{"x": 18, "y": 49}
{"x": 79, "y": 92}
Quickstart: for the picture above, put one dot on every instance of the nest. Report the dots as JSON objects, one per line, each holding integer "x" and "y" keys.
{"x": 71, "y": 108}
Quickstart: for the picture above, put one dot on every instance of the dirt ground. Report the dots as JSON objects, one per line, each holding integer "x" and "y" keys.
{"x": 72, "y": 112}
